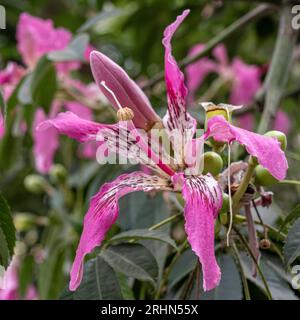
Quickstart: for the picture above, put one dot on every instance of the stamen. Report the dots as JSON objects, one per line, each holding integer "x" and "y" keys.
{"x": 102, "y": 83}
{"x": 229, "y": 190}
{"x": 125, "y": 114}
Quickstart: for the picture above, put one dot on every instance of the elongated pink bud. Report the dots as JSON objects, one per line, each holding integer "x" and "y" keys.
{"x": 126, "y": 90}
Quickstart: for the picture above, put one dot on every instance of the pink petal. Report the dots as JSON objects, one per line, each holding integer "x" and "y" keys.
{"x": 89, "y": 149}
{"x": 45, "y": 143}
{"x": 79, "y": 109}
{"x": 246, "y": 121}
{"x": 121, "y": 138}
{"x": 2, "y": 126}
{"x": 103, "y": 212}
{"x": 9, "y": 286}
{"x": 203, "y": 201}
{"x": 246, "y": 82}
{"x": 36, "y": 37}
{"x": 266, "y": 149}
{"x": 10, "y": 77}
{"x": 177, "y": 119}
{"x": 197, "y": 71}
{"x": 126, "y": 90}
{"x": 220, "y": 53}
{"x": 282, "y": 122}
{"x": 71, "y": 125}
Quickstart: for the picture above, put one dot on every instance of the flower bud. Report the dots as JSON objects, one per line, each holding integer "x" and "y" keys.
{"x": 263, "y": 177}
{"x": 35, "y": 183}
{"x": 225, "y": 203}
{"x": 264, "y": 244}
{"x": 213, "y": 163}
{"x": 222, "y": 109}
{"x": 24, "y": 221}
{"x": 280, "y": 136}
{"x": 212, "y": 110}
{"x": 58, "y": 173}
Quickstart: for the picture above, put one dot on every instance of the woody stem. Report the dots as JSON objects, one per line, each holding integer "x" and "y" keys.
{"x": 244, "y": 184}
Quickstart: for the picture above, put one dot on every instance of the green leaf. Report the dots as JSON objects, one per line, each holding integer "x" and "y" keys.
{"x": 99, "y": 282}
{"x": 133, "y": 260}
{"x": 144, "y": 234}
{"x": 278, "y": 280}
{"x": 230, "y": 287}
{"x": 74, "y": 51}
{"x": 184, "y": 265}
{"x": 2, "y": 105}
{"x": 50, "y": 275}
{"x": 292, "y": 215}
{"x": 291, "y": 249}
{"x": 7, "y": 233}
{"x": 43, "y": 83}
{"x": 24, "y": 93}
{"x": 99, "y": 17}
{"x": 126, "y": 289}
{"x": 26, "y": 274}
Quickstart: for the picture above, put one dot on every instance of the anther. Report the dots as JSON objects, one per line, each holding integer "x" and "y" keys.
{"x": 125, "y": 114}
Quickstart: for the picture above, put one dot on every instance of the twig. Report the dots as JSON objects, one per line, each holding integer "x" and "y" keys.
{"x": 169, "y": 269}
{"x": 241, "y": 269}
{"x": 163, "y": 222}
{"x": 244, "y": 242}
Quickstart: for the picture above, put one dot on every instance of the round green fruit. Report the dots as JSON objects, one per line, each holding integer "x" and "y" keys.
{"x": 34, "y": 183}
{"x": 280, "y": 136}
{"x": 213, "y": 163}
{"x": 263, "y": 177}
{"x": 225, "y": 203}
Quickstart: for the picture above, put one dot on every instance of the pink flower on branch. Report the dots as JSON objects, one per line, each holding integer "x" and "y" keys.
{"x": 10, "y": 282}
{"x": 202, "y": 193}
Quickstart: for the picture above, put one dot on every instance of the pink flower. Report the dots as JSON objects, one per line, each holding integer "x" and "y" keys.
{"x": 202, "y": 193}
{"x": 197, "y": 71}
{"x": 11, "y": 284}
{"x": 2, "y": 128}
{"x": 10, "y": 77}
{"x": 45, "y": 144}
{"x": 282, "y": 122}
{"x": 36, "y": 37}
{"x": 244, "y": 78}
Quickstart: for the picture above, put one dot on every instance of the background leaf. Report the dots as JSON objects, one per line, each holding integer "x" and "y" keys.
{"x": 144, "y": 234}
{"x": 7, "y": 233}
{"x": 291, "y": 249}
{"x": 134, "y": 260}
{"x": 74, "y": 51}
{"x": 99, "y": 282}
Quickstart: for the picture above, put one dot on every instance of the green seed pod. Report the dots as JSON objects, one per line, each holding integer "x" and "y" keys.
{"x": 213, "y": 163}
{"x": 223, "y": 218}
{"x": 35, "y": 183}
{"x": 24, "y": 221}
{"x": 280, "y": 136}
{"x": 58, "y": 173}
{"x": 225, "y": 203}
{"x": 263, "y": 177}
{"x": 217, "y": 227}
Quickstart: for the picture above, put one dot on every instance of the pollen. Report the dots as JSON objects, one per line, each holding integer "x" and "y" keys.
{"x": 125, "y": 114}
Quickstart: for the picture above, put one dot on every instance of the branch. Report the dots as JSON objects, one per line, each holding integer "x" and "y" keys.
{"x": 279, "y": 71}
{"x": 251, "y": 16}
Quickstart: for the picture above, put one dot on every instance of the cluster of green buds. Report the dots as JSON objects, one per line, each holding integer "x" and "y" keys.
{"x": 213, "y": 161}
